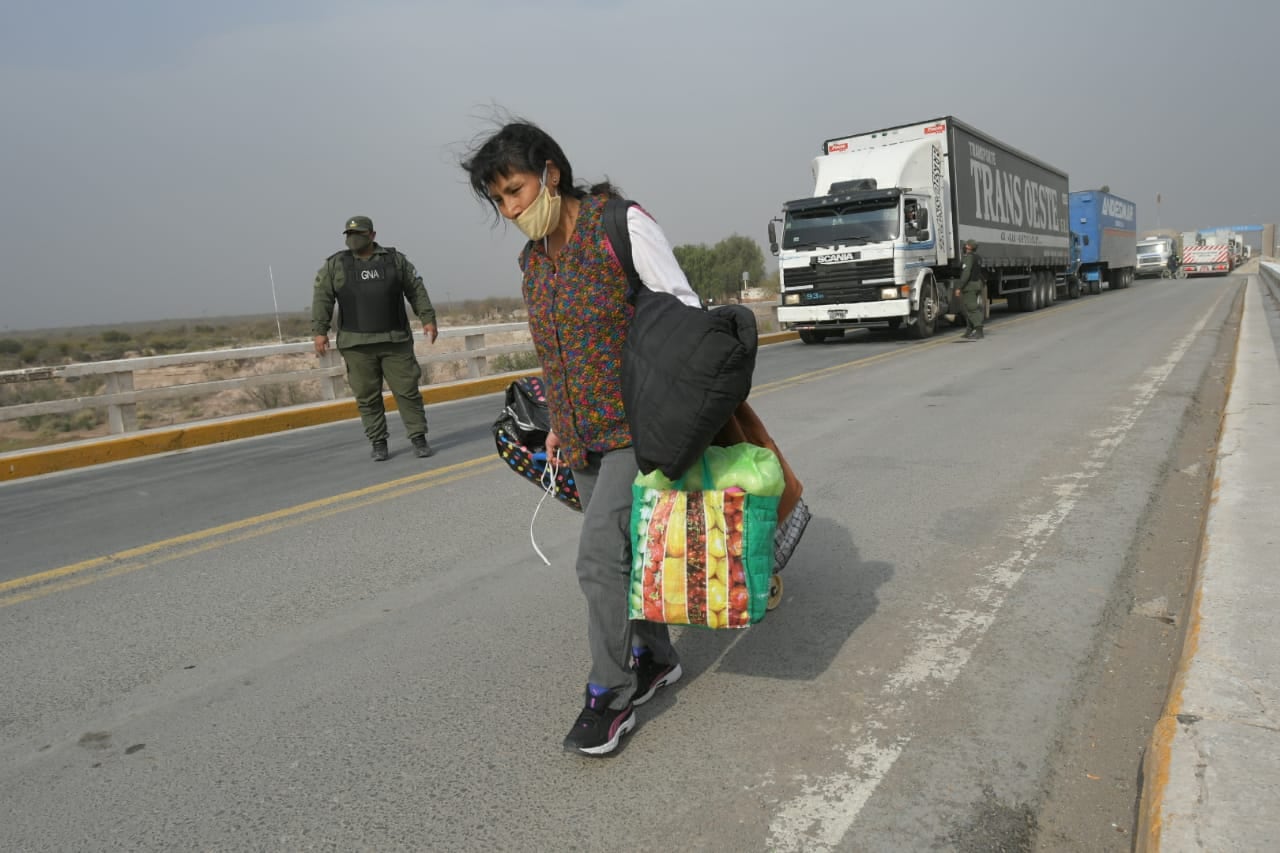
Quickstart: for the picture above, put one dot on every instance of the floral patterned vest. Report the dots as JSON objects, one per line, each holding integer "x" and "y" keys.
{"x": 578, "y": 317}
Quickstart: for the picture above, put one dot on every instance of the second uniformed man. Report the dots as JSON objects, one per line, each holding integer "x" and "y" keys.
{"x": 370, "y": 284}
{"x": 969, "y": 288}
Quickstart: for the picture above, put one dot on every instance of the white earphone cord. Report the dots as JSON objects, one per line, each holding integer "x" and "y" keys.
{"x": 548, "y": 483}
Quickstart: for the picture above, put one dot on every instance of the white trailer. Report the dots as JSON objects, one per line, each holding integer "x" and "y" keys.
{"x": 880, "y": 239}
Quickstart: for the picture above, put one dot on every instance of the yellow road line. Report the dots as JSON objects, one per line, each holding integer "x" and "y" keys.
{"x": 233, "y": 531}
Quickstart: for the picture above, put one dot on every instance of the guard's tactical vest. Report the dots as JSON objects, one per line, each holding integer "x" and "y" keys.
{"x": 371, "y": 298}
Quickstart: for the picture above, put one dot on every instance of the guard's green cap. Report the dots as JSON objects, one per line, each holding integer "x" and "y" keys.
{"x": 358, "y": 223}
{"x": 971, "y": 244}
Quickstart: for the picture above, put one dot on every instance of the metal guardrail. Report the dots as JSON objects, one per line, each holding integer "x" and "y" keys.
{"x": 121, "y": 399}
{"x": 1270, "y": 271}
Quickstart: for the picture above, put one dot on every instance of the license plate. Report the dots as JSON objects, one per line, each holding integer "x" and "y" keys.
{"x": 836, "y": 314}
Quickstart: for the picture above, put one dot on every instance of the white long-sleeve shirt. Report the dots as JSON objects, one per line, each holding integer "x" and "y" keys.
{"x": 655, "y": 261}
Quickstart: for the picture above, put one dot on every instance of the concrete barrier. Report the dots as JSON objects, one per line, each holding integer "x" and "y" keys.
{"x": 47, "y": 460}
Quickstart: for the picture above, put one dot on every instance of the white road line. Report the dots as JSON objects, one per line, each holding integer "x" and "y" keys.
{"x": 827, "y": 807}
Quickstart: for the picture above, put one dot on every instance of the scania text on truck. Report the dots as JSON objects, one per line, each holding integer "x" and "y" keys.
{"x": 880, "y": 239}
{"x": 1105, "y": 234}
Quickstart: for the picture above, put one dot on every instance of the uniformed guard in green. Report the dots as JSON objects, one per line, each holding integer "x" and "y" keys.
{"x": 370, "y": 284}
{"x": 970, "y": 286}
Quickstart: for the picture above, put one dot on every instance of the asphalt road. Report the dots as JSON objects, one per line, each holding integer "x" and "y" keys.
{"x": 277, "y": 644}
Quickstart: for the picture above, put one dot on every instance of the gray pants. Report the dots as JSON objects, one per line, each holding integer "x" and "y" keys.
{"x": 604, "y": 573}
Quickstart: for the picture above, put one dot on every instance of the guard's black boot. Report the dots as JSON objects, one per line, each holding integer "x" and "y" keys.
{"x": 968, "y": 334}
{"x": 977, "y": 335}
{"x": 421, "y": 448}
{"x": 379, "y": 453}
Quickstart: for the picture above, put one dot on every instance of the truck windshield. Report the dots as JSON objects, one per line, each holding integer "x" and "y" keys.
{"x": 1153, "y": 246}
{"x": 866, "y": 222}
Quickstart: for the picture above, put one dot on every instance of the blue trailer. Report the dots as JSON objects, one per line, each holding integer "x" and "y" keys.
{"x": 1104, "y": 241}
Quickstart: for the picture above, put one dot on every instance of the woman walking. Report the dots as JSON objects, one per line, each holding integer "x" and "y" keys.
{"x": 575, "y": 291}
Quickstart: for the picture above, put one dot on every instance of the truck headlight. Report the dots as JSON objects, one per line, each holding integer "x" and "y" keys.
{"x": 791, "y": 299}
{"x": 888, "y": 293}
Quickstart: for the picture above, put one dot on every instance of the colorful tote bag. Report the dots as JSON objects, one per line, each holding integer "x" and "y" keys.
{"x": 704, "y": 555}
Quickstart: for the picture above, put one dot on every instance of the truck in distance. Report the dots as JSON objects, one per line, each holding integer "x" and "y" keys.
{"x": 880, "y": 239}
{"x": 1105, "y": 228}
{"x": 1158, "y": 254}
{"x": 1206, "y": 259}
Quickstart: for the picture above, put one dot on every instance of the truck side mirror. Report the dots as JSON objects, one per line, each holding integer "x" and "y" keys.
{"x": 922, "y": 218}
{"x": 773, "y": 238}
{"x": 922, "y": 236}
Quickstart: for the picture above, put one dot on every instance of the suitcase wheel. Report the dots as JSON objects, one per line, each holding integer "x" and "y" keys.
{"x": 775, "y": 592}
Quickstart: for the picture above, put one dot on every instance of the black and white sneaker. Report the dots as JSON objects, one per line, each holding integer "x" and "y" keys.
{"x": 650, "y": 675}
{"x": 599, "y": 728}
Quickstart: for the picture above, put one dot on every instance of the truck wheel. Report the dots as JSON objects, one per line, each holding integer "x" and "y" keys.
{"x": 809, "y": 336}
{"x": 1052, "y": 284}
{"x": 1073, "y": 288}
{"x": 984, "y": 302}
{"x": 1095, "y": 287}
{"x": 1037, "y": 295}
{"x": 927, "y": 317}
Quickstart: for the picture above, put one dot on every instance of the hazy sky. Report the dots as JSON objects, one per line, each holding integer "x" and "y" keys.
{"x": 157, "y": 156}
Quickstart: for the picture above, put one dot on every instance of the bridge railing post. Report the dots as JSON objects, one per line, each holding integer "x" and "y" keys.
{"x": 476, "y": 365}
{"x": 121, "y": 417}
{"x": 331, "y": 386}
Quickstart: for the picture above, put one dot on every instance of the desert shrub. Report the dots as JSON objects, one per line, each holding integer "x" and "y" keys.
{"x": 510, "y": 362}
{"x": 285, "y": 394}
{"x": 164, "y": 345}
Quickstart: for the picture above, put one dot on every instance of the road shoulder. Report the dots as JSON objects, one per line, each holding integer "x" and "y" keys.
{"x": 1212, "y": 772}
{"x": 1090, "y": 799}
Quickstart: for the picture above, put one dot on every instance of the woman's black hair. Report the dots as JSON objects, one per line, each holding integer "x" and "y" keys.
{"x": 522, "y": 146}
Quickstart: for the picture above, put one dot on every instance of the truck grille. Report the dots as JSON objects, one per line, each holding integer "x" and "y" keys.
{"x": 843, "y": 283}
